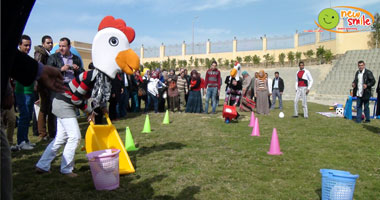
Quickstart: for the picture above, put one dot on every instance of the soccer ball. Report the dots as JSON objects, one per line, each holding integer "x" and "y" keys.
{"x": 281, "y": 115}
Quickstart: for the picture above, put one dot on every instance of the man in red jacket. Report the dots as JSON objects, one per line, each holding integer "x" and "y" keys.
{"x": 212, "y": 83}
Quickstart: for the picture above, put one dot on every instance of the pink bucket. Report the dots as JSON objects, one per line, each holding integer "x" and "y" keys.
{"x": 104, "y": 166}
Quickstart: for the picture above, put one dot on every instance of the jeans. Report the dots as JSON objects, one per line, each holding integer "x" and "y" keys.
{"x": 135, "y": 102}
{"x": 359, "y": 108}
{"x": 123, "y": 103}
{"x": 211, "y": 93}
{"x": 154, "y": 99}
{"x": 301, "y": 92}
{"x": 276, "y": 93}
{"x": 68, "y": 134}
{"x": 25, "y": 106}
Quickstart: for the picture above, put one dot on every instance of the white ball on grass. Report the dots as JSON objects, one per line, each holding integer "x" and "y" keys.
{"x": 281, "y": 115}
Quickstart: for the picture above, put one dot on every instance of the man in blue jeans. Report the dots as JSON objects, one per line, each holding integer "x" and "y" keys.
{"x": 24, "y": 100}
{"x": 212, "y": 83}
{"x": 364, "y": 80}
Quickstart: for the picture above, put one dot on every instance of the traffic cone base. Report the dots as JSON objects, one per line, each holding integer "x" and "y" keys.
{"x": 274, "y": 144}
{"x": 146, "y": 125}
{"x": 252, "y": 120}
{"x": 129, "y": 143}
{"x": 166, "y": 118}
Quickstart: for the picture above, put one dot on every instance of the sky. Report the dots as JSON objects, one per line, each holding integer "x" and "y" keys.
{"x": 171, "y": 21}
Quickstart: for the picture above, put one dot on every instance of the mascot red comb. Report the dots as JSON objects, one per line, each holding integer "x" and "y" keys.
{"x": 111, "y": 54}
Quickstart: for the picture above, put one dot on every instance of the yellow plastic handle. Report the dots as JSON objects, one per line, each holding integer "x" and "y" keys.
{"x": 107, "y": 118}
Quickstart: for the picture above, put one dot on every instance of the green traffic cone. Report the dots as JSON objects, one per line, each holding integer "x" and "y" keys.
{"x": 146, "y": 125}
{"x": 129, "y": 143}
{"x": 166, "y": 118}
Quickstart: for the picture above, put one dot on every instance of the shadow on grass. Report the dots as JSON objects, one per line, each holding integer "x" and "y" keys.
{"x": 162, "y": 147}
{"x": 373, "y": 129}
{"x": 319, "y": 192}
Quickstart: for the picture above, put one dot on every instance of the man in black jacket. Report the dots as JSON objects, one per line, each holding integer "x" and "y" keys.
{"x": 277, "y": 89}
{"x": 69, "y": 64}
{"x": 362, "y": 85}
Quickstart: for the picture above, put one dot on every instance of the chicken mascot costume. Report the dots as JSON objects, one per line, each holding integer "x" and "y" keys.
{"x": 111, "y": 53}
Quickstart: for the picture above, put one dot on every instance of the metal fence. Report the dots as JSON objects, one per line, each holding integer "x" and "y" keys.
{"x": 249, "y": 45}
{"x": 151, "y": 52}
{"x": 326, "y": 36}
{"x": 199, "y": 48}
{"x": 173, "y": 50}
{"x": 306, "y": 38}
{"x": 221, "y": 46}
{"x": 285, "y": 42}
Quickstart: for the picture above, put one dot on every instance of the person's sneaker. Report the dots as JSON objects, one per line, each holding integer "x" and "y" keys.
{"x": 15, "y": 148}
{"x": 25, "y": 146}
{"x": 71, "y": 175}
{"x": 31, "y": 144}
{"x": 41, "y": 171}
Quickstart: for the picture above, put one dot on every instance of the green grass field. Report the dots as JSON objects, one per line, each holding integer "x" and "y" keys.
{"x": 198, "y": 156}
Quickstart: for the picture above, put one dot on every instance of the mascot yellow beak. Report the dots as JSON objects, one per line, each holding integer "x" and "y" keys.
{"x": 233, "y": 72}
{"x": 128, "y": 61}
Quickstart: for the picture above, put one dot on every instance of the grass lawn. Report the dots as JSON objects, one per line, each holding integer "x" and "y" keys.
{"x": 198, "y": 156}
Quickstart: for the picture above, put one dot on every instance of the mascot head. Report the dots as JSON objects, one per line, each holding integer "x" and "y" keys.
{"x": 235, "y": 72}
{"x": 111, "y": 52}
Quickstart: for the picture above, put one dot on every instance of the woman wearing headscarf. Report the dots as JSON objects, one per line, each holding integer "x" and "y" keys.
{"x": 194, "y": 102}
{"x": 261, "y": 93}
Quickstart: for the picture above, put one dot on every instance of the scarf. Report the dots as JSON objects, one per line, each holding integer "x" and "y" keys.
{"x": 102, "y": 89}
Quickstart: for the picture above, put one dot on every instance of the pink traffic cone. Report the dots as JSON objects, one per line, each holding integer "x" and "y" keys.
{"x": 256, "y": 129}
{"x": 274, "y": 144}
{"x": 252, "y": 121}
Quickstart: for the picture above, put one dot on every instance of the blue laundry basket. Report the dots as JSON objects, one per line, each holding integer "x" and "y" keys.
{"x": 337, "y": 185}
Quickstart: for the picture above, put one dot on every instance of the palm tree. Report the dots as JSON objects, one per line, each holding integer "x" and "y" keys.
{"x": 298, "y": 56}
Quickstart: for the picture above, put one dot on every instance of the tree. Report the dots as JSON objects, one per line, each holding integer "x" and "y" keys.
{"x": 267, "y": 59}
{"x": 281, "y": 58}
{"x": 328, "y": 56}
{"x": 239, "y": 59}
{"x": 196, "y": 62}
{"x": 374, "y": 41}
{"x": 298, "y": 56}
{"x": 271, "y": 59}
{"x": 309, "y": 54}
{"x": 166, "y": 64}
{"x": 184, "y": 63}
{"x": 220, "y": 60}
{"x": 247, "y": 59}
{"x": 208, "y": 63}
{"x": 226, "y": 62}
{"x": 319, "y": 53}
{"x": 191, "y": 60}
{"x": 148, "y": 65}
{"x": 291, "y": 57}
{"x": 256, "y": 59}
{"x": 202, "y": 61}
{"x": 173, "y": 63}
{"x": 232, "y": 63}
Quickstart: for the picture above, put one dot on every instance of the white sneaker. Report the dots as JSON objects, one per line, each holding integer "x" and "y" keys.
{"x": 15, "y": 148}
{"x": 31, "y": 144}
{"x": 25, "y": 146}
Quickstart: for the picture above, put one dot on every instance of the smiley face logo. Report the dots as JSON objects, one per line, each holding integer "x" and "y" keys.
{"x": 328, "y": 18}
